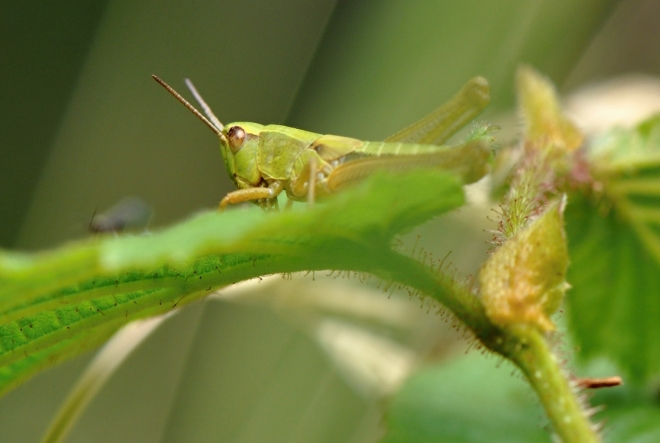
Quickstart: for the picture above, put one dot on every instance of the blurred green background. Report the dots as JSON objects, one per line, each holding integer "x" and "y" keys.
{"x": 84, "y": 125}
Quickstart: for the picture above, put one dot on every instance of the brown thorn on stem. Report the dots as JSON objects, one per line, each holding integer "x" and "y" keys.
{"x": 603, "y": 382}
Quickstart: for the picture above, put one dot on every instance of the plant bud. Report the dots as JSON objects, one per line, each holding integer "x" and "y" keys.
{"x": 523, "y": 282}
{"x": 544, "y": 120}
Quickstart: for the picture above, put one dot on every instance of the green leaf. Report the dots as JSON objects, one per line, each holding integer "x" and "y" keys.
{"x": 58, "y": 304}
{"x": 613, "y": 305}
{"x": 469, "y": 400}
{"x": 615, "y": 253}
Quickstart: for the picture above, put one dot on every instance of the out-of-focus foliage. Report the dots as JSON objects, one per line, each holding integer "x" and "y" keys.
{"x": 615, "y": 252}
{"x": 471, "y": 399}
{"x": 474, "y": 399}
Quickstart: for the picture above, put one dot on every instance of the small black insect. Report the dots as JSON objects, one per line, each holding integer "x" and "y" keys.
{"x": 129, "y": 213}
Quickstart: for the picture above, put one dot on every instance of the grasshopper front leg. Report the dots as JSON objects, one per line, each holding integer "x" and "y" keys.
{"x": 251, "y": 194}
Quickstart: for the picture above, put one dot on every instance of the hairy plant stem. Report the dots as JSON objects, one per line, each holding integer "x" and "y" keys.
{"x": 525, "y": 346}
{"x": 528, "y": 349}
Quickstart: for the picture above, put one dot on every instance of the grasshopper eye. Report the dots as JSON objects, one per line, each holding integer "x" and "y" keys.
{"x": 236, "y": 137}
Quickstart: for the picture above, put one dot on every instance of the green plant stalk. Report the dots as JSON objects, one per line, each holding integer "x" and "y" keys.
{"x": 525, "y": 346}
{"x": 528, "y": 349}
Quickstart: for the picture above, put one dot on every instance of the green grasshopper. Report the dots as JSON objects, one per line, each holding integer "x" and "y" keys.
{"x": 264, "y": 160}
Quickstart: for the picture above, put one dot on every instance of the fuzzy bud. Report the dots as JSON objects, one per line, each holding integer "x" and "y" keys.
{"x": 523, "y": 282}
{"x": 544, "y": 119}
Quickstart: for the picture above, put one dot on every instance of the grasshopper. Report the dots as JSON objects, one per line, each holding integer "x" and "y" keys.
{"x": 265, "y": 160}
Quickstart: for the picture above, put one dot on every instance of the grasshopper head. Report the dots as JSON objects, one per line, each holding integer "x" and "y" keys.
{"x": 239, "y": 145}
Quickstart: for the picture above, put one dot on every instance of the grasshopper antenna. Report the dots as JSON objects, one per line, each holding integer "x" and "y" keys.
{"x": 207, "y": 109}
{"x": 216, "y": 130}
